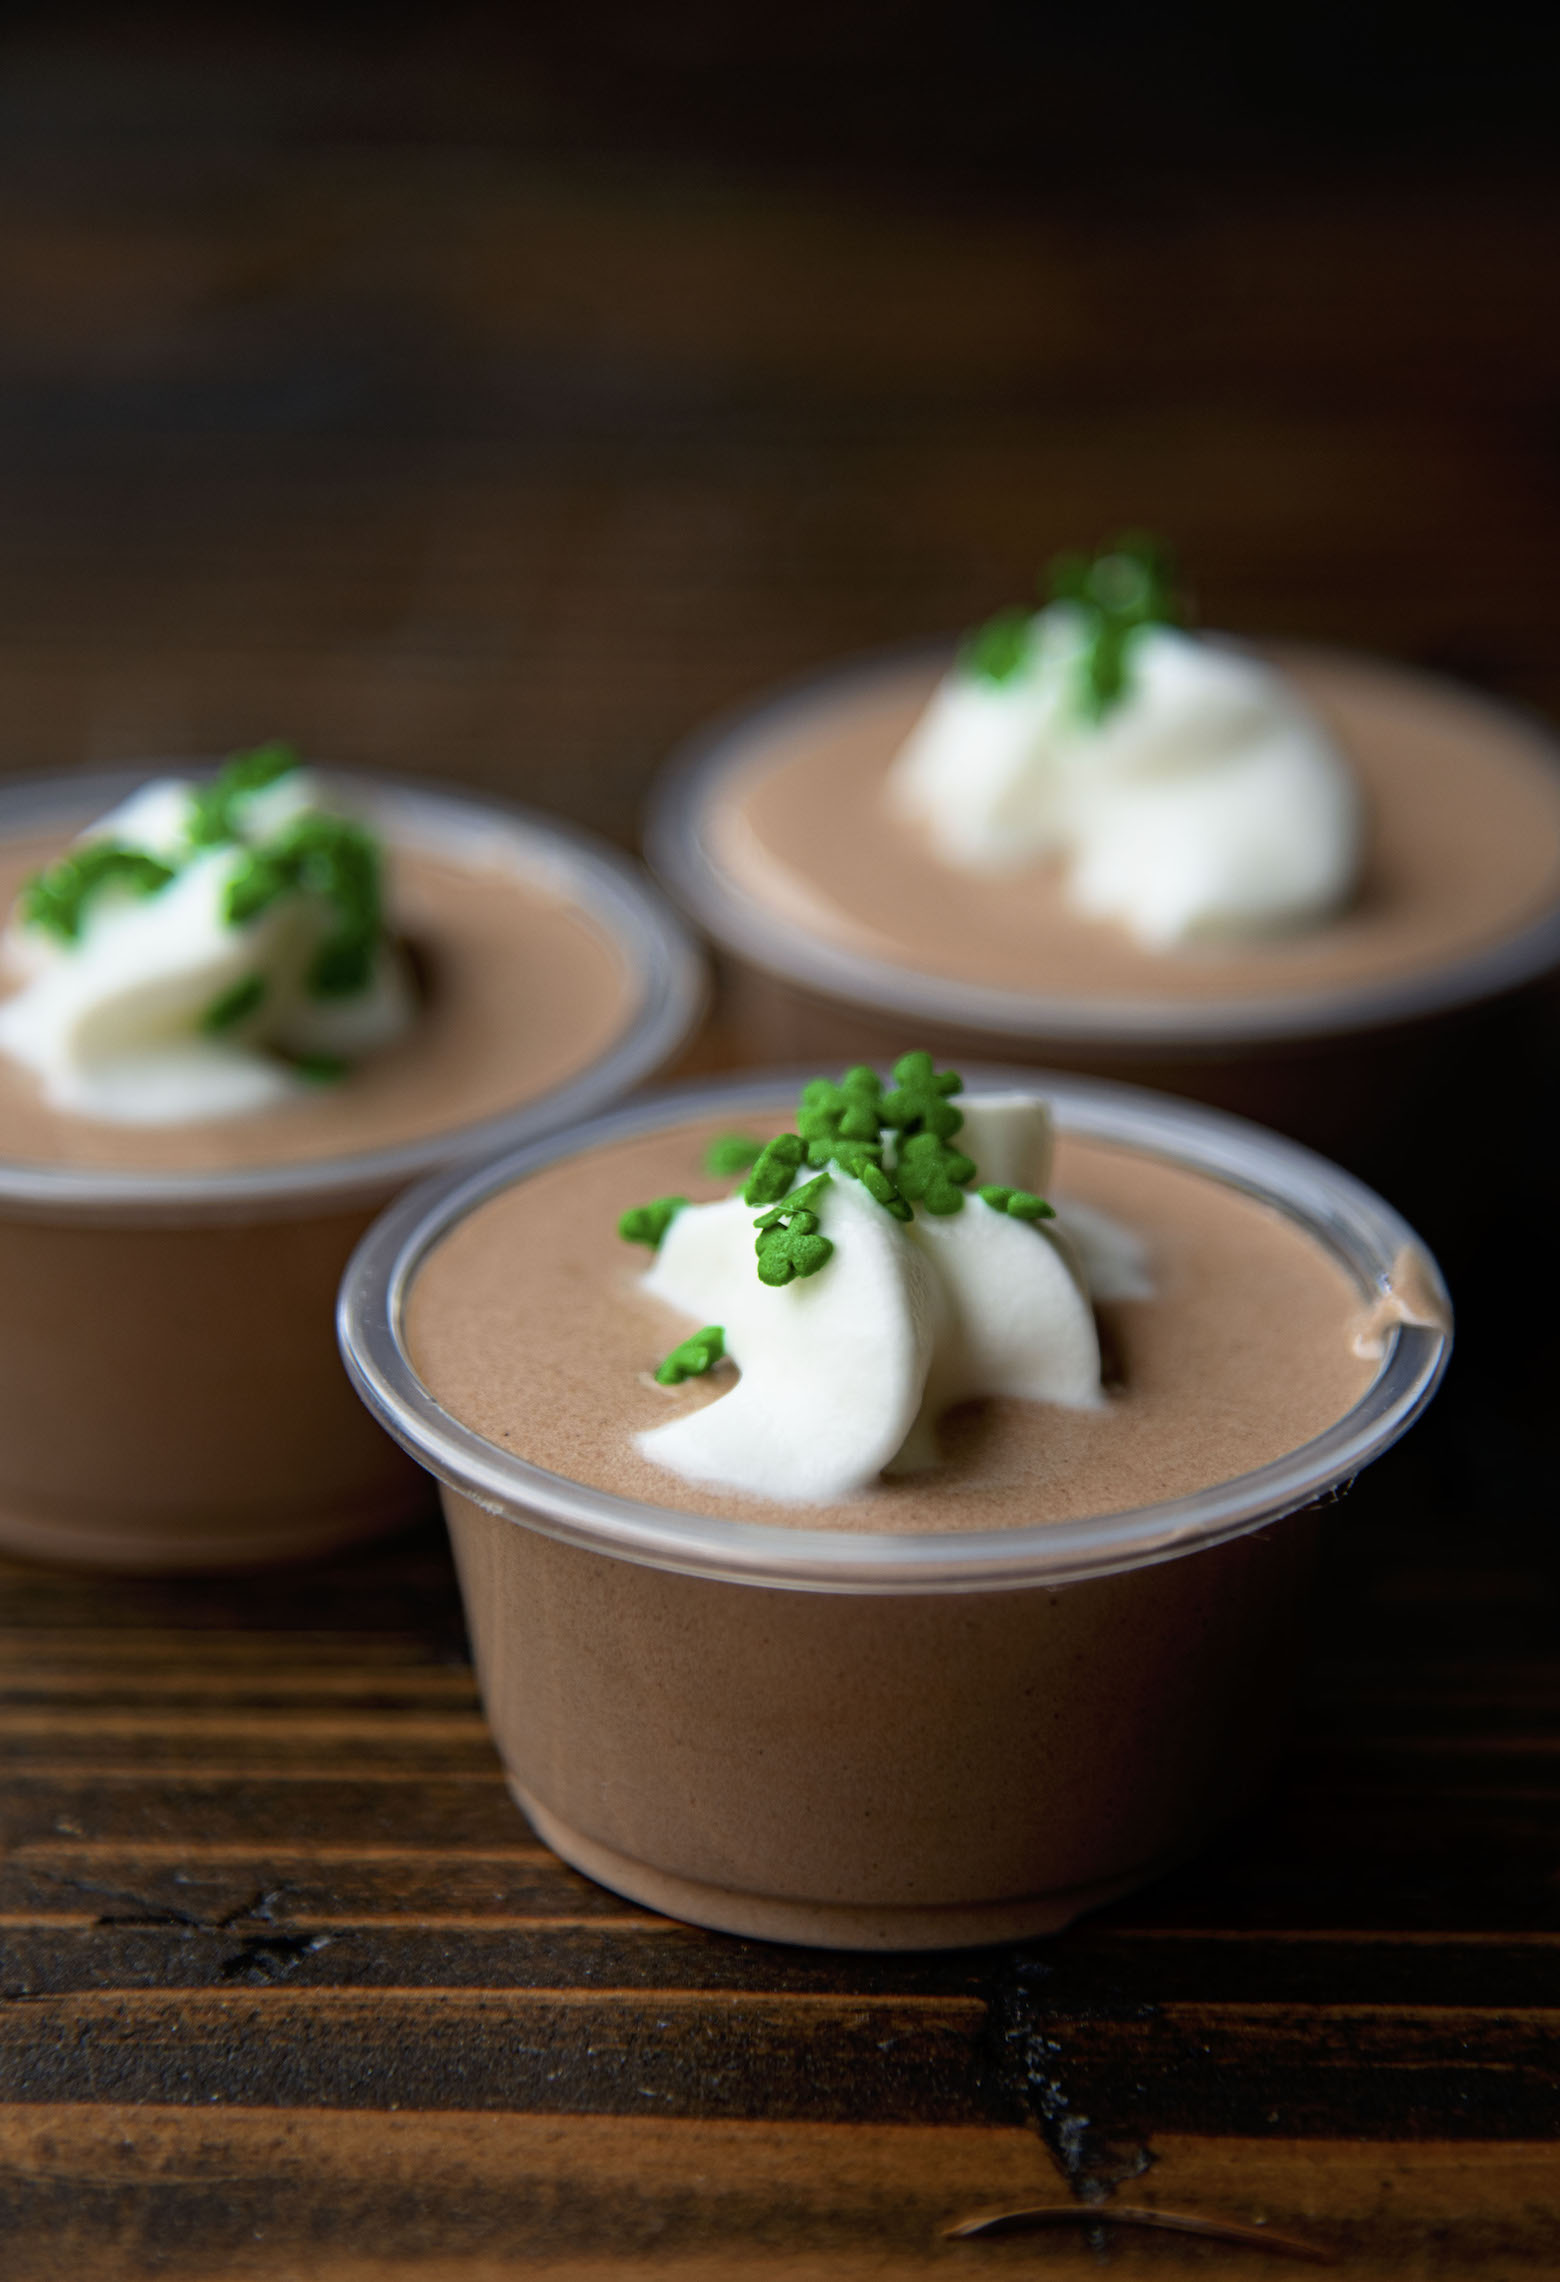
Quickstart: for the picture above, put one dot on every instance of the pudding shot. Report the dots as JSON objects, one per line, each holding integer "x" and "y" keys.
{"x": 884, "y": 1510}
{"x": 238, "y": 1012}
{"x": 1282, "y": 881}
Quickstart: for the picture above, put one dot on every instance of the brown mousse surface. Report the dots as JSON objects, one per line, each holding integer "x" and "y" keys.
{"x": 1464, "y": 848}
{"x": 528, "y": 1324}
{"x": 525, "y": 990}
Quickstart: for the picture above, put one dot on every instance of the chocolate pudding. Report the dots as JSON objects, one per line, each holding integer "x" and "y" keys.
{"x": 528, "y": 1325}
{"x": 522, "y": 989}
{"x": 971, "y": 1702}
{"x": 1464, "y": 850}
{"x": 170, "y": 1396}
{"x": 837, "y": 940}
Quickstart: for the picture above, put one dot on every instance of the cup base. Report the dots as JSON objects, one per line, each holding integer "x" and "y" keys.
{"x": 823, "y": 1925}
{"x": 146, "y": 1549}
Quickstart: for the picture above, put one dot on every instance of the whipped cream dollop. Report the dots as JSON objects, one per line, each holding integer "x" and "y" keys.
{"x": 846, "y": 1368}
{"x": 205, "y": 950}
{"x": 1198, "y": 799}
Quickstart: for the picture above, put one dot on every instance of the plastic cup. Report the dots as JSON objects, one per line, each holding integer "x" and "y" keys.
{"x": 1341, "y": 1068}
{"x": 170, "y": 1394}
{"x": 887, "y": 1741}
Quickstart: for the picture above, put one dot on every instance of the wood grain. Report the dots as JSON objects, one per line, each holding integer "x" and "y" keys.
{"x": 335, "y": 2192}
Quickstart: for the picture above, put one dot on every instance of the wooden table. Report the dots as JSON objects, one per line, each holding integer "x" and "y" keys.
{"x": 291, "y": 1990}
{"x": 500, "y": 424}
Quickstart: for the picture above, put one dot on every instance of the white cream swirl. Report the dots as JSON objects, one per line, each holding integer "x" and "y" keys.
{"x": 845, "y": 1373}
{"x": 210, "y": 982}
{"x": 1208, "y": 802}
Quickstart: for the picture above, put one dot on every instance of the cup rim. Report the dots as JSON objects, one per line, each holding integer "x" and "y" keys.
{"x": 651, "y": 939}
{"x": 1348, "y": 1219}
{"x": 678, "y": 850}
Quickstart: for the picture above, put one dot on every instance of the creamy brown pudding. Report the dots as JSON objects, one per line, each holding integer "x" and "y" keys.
{"x": 527, "y": 1324}
{"x": 954, "y": 1707}
{"x": 522, "y": 989}
{"x": 1463, "y": 850}
{"x": 170, "y": 1391}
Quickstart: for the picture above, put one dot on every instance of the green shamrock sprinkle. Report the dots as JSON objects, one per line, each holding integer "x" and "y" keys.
{"x": 919, "y": 1102}
{"x": 648, "y": 1223}
{"x": 235, "y": 1005}
{"x": 777, "y": 1166}
{"x": 1018, "y": 1204}
{"x": 789, "y": 1244}
{"x": 215, "y": 815}
{"x": 57, "y": 899}
{"x": 698, "y": 1353}
{"x": 996, "y": 651}
{"x": 731, "y": 1153}
{"x": 1127, "y": 585}
{"x": 931, "y": 1173}
{"x": 791, "y": 1249}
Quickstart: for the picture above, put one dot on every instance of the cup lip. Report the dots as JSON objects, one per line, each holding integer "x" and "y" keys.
{"x": 678, "y": 850}
{"x": 1348, "y": 1219}
{"x": 653, "y": 942}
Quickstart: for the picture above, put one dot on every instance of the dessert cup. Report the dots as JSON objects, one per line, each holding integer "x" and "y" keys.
{"x": 170, "y": 1395}
{"x": 891, "y": 1741}
{"x": 1339, "y": 1062}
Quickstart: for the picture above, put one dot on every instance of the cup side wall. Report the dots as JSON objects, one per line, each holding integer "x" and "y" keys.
{"x": 914, "y": 1752}
{"x": 172, "y": 1396}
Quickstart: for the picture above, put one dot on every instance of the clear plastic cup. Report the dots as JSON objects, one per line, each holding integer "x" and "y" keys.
{"x": 1340, "y": 1068}
{"x": 170, "y": 1393}
{"x": 889, "y": 1741}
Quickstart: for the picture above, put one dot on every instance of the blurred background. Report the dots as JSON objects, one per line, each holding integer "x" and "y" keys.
{"x": 494, "y": 394}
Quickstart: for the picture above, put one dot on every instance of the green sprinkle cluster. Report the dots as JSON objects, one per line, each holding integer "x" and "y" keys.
{"x": 698, "y": 1353}
{"x": 1127, "y": 585}
{"x": 928, "y": 1169}
{"x": 57, "y": 899}
{"x": 326, "y": 856}
{"x": 843, "y": 1124}
{"x": 848, "y": 1127}
{"x": 335, "y": 859}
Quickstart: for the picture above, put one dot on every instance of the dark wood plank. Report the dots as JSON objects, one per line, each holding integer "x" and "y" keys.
{"x": 629, "y": 2052}
{"x": 348, "y": 2193}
